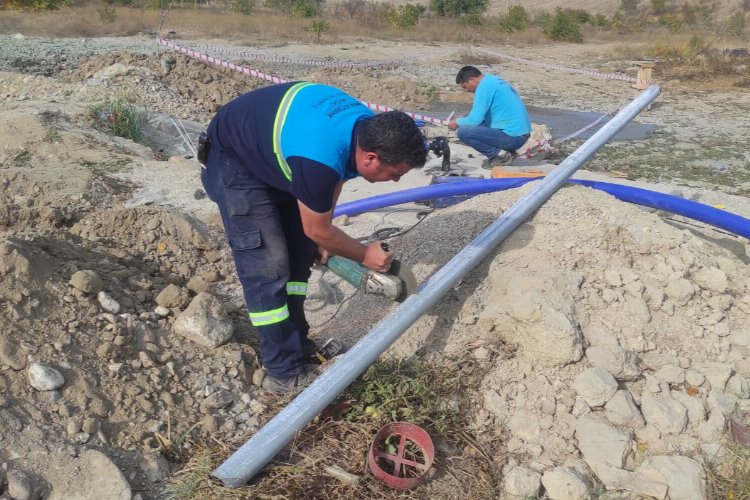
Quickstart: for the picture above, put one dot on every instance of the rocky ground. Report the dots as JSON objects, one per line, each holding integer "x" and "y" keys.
{"x": 122, "y": 328}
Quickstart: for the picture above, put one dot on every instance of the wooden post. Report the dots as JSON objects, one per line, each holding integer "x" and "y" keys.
{"x": 643, "y": 79}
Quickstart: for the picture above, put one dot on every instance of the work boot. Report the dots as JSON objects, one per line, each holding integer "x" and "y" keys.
{"x": 502, "y": 158}
{"x": 290, "y": 385}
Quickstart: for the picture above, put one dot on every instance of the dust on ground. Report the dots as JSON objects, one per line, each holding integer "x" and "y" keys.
{"x": 588, "y": 281}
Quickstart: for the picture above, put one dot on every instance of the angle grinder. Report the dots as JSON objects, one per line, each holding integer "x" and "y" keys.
{"x": 397, "y": 284}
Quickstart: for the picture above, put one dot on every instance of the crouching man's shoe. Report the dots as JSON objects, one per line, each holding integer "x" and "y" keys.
{"x": 502, "y": 158}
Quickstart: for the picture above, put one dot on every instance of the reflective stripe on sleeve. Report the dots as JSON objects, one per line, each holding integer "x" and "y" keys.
{"x": 269, "y": 317}
{"x": 296, "y": 288}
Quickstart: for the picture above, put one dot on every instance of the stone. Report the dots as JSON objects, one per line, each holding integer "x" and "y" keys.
{"x": 711, "y": 278}
{"x": 695, "y": 411}
{"x": 595, "y": 386}
{"x": 154, "y": 467}
{"x": 622, "y": 410}
{"x": 621, "y": 363}
{"x": 44, "y": 378}
{"x": 98, "y": 478}
{"x": 524, "y": 424}
{"x": 565, "y": 483}
{"x": 663, "y": 412}
{"x": 522, "y": 482}
{"x": 19, "y": 485}
{"x": 108, "y": 303}
{"x": 86, "y": 281}
{"x": 205, "y": 322}
{"x": 601, "y": 443}
{"x": 670, "y": 374}
{"x": 11, "y": 355}
{"x": 198, "y": 284}
{"x": 713, "y": 428}
{"x": 717, "y": 374}
{"x": 685, "y": 478}
{"x": 173, "y": 296}
{"x": 680, "y": 291}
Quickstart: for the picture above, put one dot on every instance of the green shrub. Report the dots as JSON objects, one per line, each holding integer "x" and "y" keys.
{"x": 295, "y": 8}
{"x": 456, "y": 8}
{"x": 37, "y": 4}
{"x": 629, "y": 6}
{"x": 119, "y": 117}
{"x": 244, "y": 7}
{"x": 659, "y": 6}
{"x": 562, "y": 26}
{"x": 318, "y": 27}
{"x": 600, "y": 21}
{"x": 736, "y": 24}
{"x": 696, "y": 46}
{"x": 671, "y": 22}
{"x": 515, "y": 20}
{"x": 405, "y": 16}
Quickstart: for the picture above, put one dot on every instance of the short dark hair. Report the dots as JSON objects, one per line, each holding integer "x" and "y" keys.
{"x": 394, "y": 137}
{"x": 467, "y": 72}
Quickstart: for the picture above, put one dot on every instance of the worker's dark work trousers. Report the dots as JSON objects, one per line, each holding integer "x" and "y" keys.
{"x": 270, "y": 250}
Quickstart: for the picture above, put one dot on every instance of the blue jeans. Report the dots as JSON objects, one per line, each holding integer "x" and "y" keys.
{"x": 270, "y": 249}
{"x": 489, "y": 141}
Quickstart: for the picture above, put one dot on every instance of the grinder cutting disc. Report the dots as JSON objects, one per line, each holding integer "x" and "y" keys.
{"x": 408, "y": 280}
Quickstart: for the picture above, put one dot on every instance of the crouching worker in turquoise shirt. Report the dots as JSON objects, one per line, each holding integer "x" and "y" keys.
{"x": 276, "y": 163}
{"x": 498, "y": 123}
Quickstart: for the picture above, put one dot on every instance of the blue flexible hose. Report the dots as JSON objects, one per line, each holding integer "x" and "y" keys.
{"x": 698, "y": 211}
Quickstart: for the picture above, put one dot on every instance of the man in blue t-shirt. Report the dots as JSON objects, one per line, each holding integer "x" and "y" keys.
{"x": 498, "y": 123}
{"x": 277, "y": 162}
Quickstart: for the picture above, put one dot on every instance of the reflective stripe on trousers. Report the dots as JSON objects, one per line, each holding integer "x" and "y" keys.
{"x": 272, "y": 256}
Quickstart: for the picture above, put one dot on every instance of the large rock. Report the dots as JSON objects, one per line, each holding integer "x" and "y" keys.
{"x": 96, "y": 478}
{"x": 663, "y": 412}
{"x": 205, "y": 322}
{"x": 525, "y": 425}
{"x": 622, "y": 410}
{"x": 595, "y": 386}
{"x": 11, "y": 355}
{"x": 565, "y": 483}
{"x": 86, "y": 281}
{"x": 44, "y": 378}
{"x": 544, "y": 325}
{"x": 173, "y": 296}
{"x": 684, "y": 477}
{"x": 601, "y": 443}
{"x": 621, "y": 363}
{"x": 522, "y": 482}
{"x": 711, "y": 278}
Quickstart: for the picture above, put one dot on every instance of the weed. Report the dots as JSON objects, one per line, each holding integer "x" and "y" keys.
{"x": 730, "y": 477}
{"x": 564, "y": 26}
{"x": 22, "y": 158}
{"x": 244, "y": 7}
{"x": 120, "y": 118}
{"x": 405, "y": 16}
{"x": 318, "y": 27}
{"x": 105, "y": 167}
{"x": 515, "y": 20}
{"x": 52, "y": 136}
{"x": 413, "y": 393}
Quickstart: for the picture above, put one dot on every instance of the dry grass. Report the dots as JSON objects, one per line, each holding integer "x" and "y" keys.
{"x": 463, "y": 466}
{"x": 730, "y": 478}
{"x": 94, "y": 20}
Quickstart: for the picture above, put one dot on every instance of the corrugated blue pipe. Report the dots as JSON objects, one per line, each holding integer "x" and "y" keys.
{"x": 698, "y": 211}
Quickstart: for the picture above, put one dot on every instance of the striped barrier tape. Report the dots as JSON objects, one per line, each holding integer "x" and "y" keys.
{"x": 259, "y": 56}
{"x": 276, "y": 79}
{"x": 589, "y": 72}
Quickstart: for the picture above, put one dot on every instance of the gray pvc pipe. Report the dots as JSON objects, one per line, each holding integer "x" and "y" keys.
{"x": 246, "y": 462}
